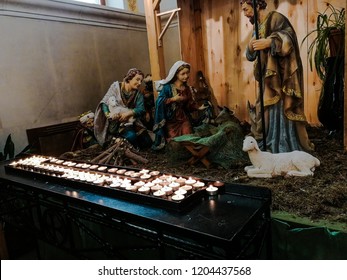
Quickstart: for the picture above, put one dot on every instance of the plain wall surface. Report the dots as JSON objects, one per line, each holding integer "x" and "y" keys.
{"x": 58, "y": 58}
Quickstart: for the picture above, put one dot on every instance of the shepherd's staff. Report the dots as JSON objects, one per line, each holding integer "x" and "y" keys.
{"x": 260, "y": 71}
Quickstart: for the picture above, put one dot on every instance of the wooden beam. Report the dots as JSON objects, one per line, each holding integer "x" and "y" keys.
{"x": 192, "y": 50}
{"x": 156, "y": 4}
{"x": 168, "y": 12}
{"x": 156, "y": 52}
{"x": 173, "y": 13}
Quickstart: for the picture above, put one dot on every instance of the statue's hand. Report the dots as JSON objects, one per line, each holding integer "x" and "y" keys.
{"x": 125, "y": 116}
{"x": 261, "y": 44}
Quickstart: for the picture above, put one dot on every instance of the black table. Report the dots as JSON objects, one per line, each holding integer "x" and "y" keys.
{"x": 74, "y": 222}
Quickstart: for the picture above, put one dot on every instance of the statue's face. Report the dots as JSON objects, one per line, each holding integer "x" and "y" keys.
{"x": 89, "y": 123}
{"x": 248, "y": 11}
{"x": 135, "y": 82}
{"x": 87, "y": 120}
{"x": 183, "y": 75}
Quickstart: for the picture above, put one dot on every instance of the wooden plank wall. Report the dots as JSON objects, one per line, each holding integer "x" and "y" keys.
{"x": 225, "y": 33}
{"x": 191, "y": 35}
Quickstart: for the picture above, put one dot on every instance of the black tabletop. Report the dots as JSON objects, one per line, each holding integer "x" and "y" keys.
{"x": 220, "y": 217}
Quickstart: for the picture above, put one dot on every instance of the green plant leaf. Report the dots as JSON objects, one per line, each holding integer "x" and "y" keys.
{"x": 318, "y": 50}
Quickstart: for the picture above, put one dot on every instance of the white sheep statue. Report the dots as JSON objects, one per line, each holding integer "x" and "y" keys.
{"x": 267, "y": 165}
{"x": 116, "y": 109}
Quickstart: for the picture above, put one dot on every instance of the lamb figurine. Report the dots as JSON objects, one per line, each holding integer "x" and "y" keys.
{"x": 267, "y": 165}
{"x": 116, "y": 109}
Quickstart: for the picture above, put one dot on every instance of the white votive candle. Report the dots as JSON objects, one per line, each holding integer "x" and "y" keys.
{"x": 90, "y": 179}
{"x": 157, "y": 181}
{"x": 99, "y": 182}
{"x": 181, "y": 181}
{"x": 113, "y": 170}
{"x": 164, "y": 177}
{"x": 171, "y": 179}
{"x": 145, "y": 176}
{"x": 126, "y": 181}
{"x": 167, "y": 190}
{"x": 211, "y": 190}
{"x": 128, "y": 173}
{"x": 156, "y": 188}
{"x": 181, "y": 192}
{"x": 131, "y": 188}
{"x": 159, "y": 193}
{"x": 144, "y": 190}
{"x": 154, "y": 173}
{"x": 174, "y": 186}
{"x": 102, "y": 168}
{"x": 177, "y": 197}
{"x": 190, "y": 181}
{"x": 149, "y": 184}
{"x": 218, "y": 184}
{"x": 14, "y": 164}
{"x": 198, "y": 185}
{"x": 124, "y": 185}
{"x": 139, "y": 184}
{"x": 187, "y": 188}
{"x": 115, "y": 185}
{"x": 135, "y": 175}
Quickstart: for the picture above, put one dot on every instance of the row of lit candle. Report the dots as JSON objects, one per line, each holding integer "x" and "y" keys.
{"x": 37, "y": 160}
{"x": 160, "y": 186}
{"x": 37, "y": 165}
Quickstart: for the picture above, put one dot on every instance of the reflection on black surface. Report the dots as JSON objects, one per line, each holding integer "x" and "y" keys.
{"x": 212, "y": 202}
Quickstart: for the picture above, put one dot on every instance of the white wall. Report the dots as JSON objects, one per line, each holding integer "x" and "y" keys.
{"x": 58, "y": 59}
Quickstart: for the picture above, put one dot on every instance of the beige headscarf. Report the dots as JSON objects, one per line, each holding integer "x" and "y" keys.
{"x": 100, "y": 121}
{"x": 171, "y": 75}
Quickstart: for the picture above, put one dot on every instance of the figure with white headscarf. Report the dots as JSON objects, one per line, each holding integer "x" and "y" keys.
{"x": 173, "y": 106}
{"x": 84, "y": 136}
{"x": 127, "y": 100}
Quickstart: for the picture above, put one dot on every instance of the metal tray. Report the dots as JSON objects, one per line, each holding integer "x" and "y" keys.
{"x": 136, "y": 197}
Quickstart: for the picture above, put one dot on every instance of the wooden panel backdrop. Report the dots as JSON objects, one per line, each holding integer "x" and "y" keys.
{"x": 225, "y": 33}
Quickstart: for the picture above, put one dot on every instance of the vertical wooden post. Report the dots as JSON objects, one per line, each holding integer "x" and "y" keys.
{"x": 156, "y": 52}
{"x": 191, "y": 36}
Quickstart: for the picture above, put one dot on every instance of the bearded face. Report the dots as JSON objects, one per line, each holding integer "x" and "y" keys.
{"x": 248, "y": 11}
